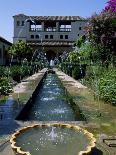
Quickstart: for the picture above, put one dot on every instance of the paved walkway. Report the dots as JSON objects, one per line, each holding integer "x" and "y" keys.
{"x": 9, "y": 111}
{"x": 65, "y": 77}
{"x": 21, "y": 87}
{"x": 6, "y": 149}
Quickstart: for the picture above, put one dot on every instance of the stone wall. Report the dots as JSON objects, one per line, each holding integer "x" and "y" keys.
{"x": 3, "y": 48}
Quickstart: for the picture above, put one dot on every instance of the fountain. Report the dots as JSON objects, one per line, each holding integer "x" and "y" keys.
{"x": 52, "y": 139}
{"x": 51, "y": 63}
{"x": 50, "y": 103}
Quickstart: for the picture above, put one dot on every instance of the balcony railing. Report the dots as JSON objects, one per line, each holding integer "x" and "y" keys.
{"x": 65, "y": 29}
{"x": 50, "y": 30}
{"x": 36, "y": 29}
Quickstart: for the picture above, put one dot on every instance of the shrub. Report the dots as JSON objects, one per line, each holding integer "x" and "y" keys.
{"x": 76, "y": 74}
{"x": 16, "y": 73}
{"x": 107, "y": 86}
{"x": 5, "y": 86}
{"x": 19, "y": 72}
{"x": 101, "y": 33}
{"x": 103, "y": 82}
{"x": 26, "y": 70}
{"x": 4, "y": 71}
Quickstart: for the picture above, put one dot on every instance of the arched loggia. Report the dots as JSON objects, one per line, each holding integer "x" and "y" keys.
{"x": 50, "y": 55}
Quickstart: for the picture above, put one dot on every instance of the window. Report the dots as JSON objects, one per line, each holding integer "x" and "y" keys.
{"x": 66, "y": 36}
{"x": 38, "y": 27}
{"x": 61, "y": 36}
{"x": 79, "y": 28}
{"x": 18, "y": 23}
{"x": 46, "y": 36}
{"x": 22, "y": 23}
{"x": 32, "y": 36}
{"x": 37, "y": 36}
{"x": 51, "y": 36}
{"x": 32, "y": 27}
{"x": 65, "y": 27}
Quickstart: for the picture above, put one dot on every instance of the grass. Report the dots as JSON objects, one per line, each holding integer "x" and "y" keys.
{"x": 101, "y": 117}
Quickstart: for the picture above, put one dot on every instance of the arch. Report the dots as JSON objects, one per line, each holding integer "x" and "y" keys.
{"x": 50, "y": 55}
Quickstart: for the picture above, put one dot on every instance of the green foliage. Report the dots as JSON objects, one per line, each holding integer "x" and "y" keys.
{"x": 21, "y": 50}
{"x": 88, "y": 53}
{"x": 101, "y": 33}
{"x": 80, "y": 41}
{"x": 76, "y": 73}
{"x": 99, "y": 53}
{"x": 73, "y": 57}
{"x": 4, "y": 71}
{"x": 107, "y": 86}
{"x": 19, "y": 72}
{"x": 103, "y": 82}
{"x": 26, "y": 70}
{"x": 5, "y": 86}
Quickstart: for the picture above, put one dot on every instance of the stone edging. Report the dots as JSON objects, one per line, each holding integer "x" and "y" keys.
{"x": 18, "y": 150}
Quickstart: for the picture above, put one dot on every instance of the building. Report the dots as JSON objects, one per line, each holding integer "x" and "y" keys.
{"x": 4, "y": 46}
{"x": 52, "y": 34}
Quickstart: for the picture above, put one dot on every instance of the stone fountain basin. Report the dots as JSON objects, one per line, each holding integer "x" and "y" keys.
{"x": 52, "y": 139}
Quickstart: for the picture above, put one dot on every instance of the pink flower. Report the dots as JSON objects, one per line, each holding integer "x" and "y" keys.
{"x": 111, "y": 6}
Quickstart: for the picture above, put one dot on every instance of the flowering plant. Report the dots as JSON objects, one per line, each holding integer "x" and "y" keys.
{"x": 111, "y": 6}
{"x": 101, "y": 31}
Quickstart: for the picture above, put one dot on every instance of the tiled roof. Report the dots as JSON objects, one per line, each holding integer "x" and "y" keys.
{"x": 54, "y": 18}
{"x": 5, "y": 41}
{"x": 51, "y": 43}
{"x": 57, "y": 18}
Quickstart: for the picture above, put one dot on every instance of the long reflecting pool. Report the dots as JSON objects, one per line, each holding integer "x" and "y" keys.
{"x": 50, "y": 103}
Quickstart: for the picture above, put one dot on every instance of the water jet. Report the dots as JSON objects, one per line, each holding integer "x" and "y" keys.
{"x": 53, "y": 138}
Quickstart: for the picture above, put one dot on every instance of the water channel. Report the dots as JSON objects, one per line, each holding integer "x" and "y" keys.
{"x": 51, "y": 102}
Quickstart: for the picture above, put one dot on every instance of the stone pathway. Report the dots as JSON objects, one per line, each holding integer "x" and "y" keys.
{"x": 8, "y": 124}
{"x": 6, "y": 149}
{"x": 69, "y": 79}
{"x": 21, "y": 87}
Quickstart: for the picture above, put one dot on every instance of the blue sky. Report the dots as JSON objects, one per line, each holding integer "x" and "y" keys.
{"x": 8, "y": 8}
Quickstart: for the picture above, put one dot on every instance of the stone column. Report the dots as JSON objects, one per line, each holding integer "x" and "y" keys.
{"x": 27, "y": 30}
{"x": 42, "y": 26}
{"x": 57, "y": 26}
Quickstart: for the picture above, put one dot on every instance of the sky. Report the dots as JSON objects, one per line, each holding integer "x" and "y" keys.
{"x": 9, "y": 8}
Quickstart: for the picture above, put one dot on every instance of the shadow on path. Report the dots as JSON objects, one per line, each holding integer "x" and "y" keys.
{"x": 8, "y": 113}
{"x": 96, "y": 151}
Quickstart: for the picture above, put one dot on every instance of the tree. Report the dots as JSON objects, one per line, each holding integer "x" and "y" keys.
{"x": 101, "y": 33}
{"x": 73, "y": 57}
{"x": 20, "y": 51}
{"x": 80, "y": 41}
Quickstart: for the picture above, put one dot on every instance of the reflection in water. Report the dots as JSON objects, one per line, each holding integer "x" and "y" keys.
{"x": 6, "y": 109}
{"x": 50, "y": 103}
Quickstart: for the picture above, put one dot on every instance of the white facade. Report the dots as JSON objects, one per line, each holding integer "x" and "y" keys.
{"x": 26, "y": 28}
{"x": 51, "y": 34}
